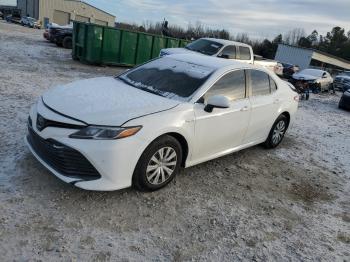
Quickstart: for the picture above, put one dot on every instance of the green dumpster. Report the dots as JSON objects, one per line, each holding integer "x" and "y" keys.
{"x": 96, "y": 44}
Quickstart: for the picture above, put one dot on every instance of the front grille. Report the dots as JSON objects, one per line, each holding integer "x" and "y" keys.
{"x": 65, "y": 160}
{"x": 42, "y": 123}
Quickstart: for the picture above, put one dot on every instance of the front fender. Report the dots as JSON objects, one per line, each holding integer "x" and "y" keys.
{"x": 179, "y": 120}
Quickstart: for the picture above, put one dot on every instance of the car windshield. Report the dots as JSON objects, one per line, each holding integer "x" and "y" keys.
{"x": 313, "y": 72}
{"x": 204, "y": 46}
{"x": 168, "y": 78}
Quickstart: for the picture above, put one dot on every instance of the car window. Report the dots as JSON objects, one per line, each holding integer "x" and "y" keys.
{"x": 244, "y": 53}
{"x": 229, "y": 52}
{"x": 273, "y": 85}
{"x": 260, "y": 83}
{"x": 231, "y": 85}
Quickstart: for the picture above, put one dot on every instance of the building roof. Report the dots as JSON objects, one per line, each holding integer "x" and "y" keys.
{"x": 86, "y": 3}
{"x": 320, "y": 52}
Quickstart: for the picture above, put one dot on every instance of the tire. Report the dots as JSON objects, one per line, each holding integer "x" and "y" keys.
{"x": 272, "y": 141}
{"x": 317, "y": 89}
{"x": 67, "y": 42}
{"x": 158, "y": 175}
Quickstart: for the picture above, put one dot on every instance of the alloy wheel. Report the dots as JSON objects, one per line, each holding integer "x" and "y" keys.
{"x": 278, "y": 132}
{"x": 161, "y": 166}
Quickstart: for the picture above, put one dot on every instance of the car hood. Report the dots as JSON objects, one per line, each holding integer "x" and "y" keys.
{"x": 104, "y": 101}
{"x": 300, "y": 76}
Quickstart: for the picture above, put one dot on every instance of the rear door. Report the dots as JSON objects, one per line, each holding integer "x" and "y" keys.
{"x": 265, "y": 104}
{"x": 224, "y": 128}
{"x": 245, "y": 54}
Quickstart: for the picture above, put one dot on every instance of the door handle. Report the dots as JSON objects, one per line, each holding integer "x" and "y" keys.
{"x": 244, "y": 109}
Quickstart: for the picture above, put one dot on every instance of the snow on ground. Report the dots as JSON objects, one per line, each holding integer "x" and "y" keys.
{"x": 288, "y": 204}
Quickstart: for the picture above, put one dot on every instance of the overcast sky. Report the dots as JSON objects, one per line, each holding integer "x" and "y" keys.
{"x": 259, "y": 18}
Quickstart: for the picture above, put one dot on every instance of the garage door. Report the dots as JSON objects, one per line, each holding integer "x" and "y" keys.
{"x": 80, "y": 18}
{"x": 61, "y": 18}
{"x": 100, "y": 22}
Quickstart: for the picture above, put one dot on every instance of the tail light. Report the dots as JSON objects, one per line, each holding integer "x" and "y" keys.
{"x": 296, "y": 98}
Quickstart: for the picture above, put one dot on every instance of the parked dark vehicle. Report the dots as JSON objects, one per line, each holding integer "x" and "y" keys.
{"x": 60, "y": 35}
{"x": 344, "y": 102}
{"x": 342, "y": 81}
{"x": 63, "y": 37}
{"x": 13, "y": 19}
{"x": 289, "y": 70}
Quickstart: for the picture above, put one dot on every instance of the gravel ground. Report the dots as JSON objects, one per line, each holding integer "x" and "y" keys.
{"x": 287, "y": 204}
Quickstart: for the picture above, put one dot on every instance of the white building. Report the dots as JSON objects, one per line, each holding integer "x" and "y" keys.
{"x": 305, "y": 58}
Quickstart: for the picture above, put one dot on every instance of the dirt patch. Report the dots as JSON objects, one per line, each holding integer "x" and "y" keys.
{"x": 343, "y": 237}
{"x": 310, "y": 193}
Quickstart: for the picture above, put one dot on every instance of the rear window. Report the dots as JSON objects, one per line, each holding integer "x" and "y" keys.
{"x": 260, "y": 82}
{"x": 244, "y": 53}
{"x": 168, "y": 78}
{"x": 204, "y": 46}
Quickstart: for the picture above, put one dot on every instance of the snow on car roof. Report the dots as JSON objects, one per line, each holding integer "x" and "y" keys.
{"x": 226, "y": 42}
{"x": 209, "y": 61}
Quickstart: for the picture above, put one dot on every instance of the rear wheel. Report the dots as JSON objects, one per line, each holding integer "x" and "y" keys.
{"x": 277, "y": 132}
{"x": 158, "y": 165}
{"x": 67, "y": 42}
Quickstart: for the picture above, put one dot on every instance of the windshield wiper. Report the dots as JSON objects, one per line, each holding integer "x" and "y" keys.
{"x": 125, "y": 81}
{"x": 141, "y": 88}
{"x": 202, "y": 52}
{"x": 150, "y": 91}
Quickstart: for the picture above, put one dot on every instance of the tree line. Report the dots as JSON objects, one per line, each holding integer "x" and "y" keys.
{"x": 336, "y": 42}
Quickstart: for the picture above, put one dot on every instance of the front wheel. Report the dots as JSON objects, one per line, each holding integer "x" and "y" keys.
{"x": 158, "y": 165}
{"x": 277, "y": 132}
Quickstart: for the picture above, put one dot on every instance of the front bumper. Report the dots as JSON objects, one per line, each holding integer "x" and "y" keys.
{"x": 113, "y": 160}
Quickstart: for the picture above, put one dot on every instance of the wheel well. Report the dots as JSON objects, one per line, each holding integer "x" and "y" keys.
{"x": 287, "y": 115}
{"x": 184, "y": 145}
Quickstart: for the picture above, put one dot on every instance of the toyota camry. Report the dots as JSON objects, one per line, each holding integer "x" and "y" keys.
{"x": 140, "y": 127}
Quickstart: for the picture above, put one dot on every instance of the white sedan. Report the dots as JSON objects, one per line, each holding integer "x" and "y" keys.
{"x": 140, "y": 127}
{"x": 318, "y": 80}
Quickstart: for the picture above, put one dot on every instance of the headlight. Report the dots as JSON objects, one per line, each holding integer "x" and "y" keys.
{"x": 105, "y": 133}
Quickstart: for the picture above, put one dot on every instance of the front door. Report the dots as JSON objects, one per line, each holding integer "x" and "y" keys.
{"x": 224, "y": 128}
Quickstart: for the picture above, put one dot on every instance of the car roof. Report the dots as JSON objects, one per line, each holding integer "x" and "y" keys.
{"x": 226, "y": 42}
{"x": 211, "y": 62}
{"x": 314, "y": 70}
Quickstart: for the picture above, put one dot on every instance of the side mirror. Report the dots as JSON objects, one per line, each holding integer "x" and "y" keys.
{"x": 217, "y": 101}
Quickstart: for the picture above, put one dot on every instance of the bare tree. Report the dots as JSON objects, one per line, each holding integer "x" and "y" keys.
{"x": 293, "y": 36}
